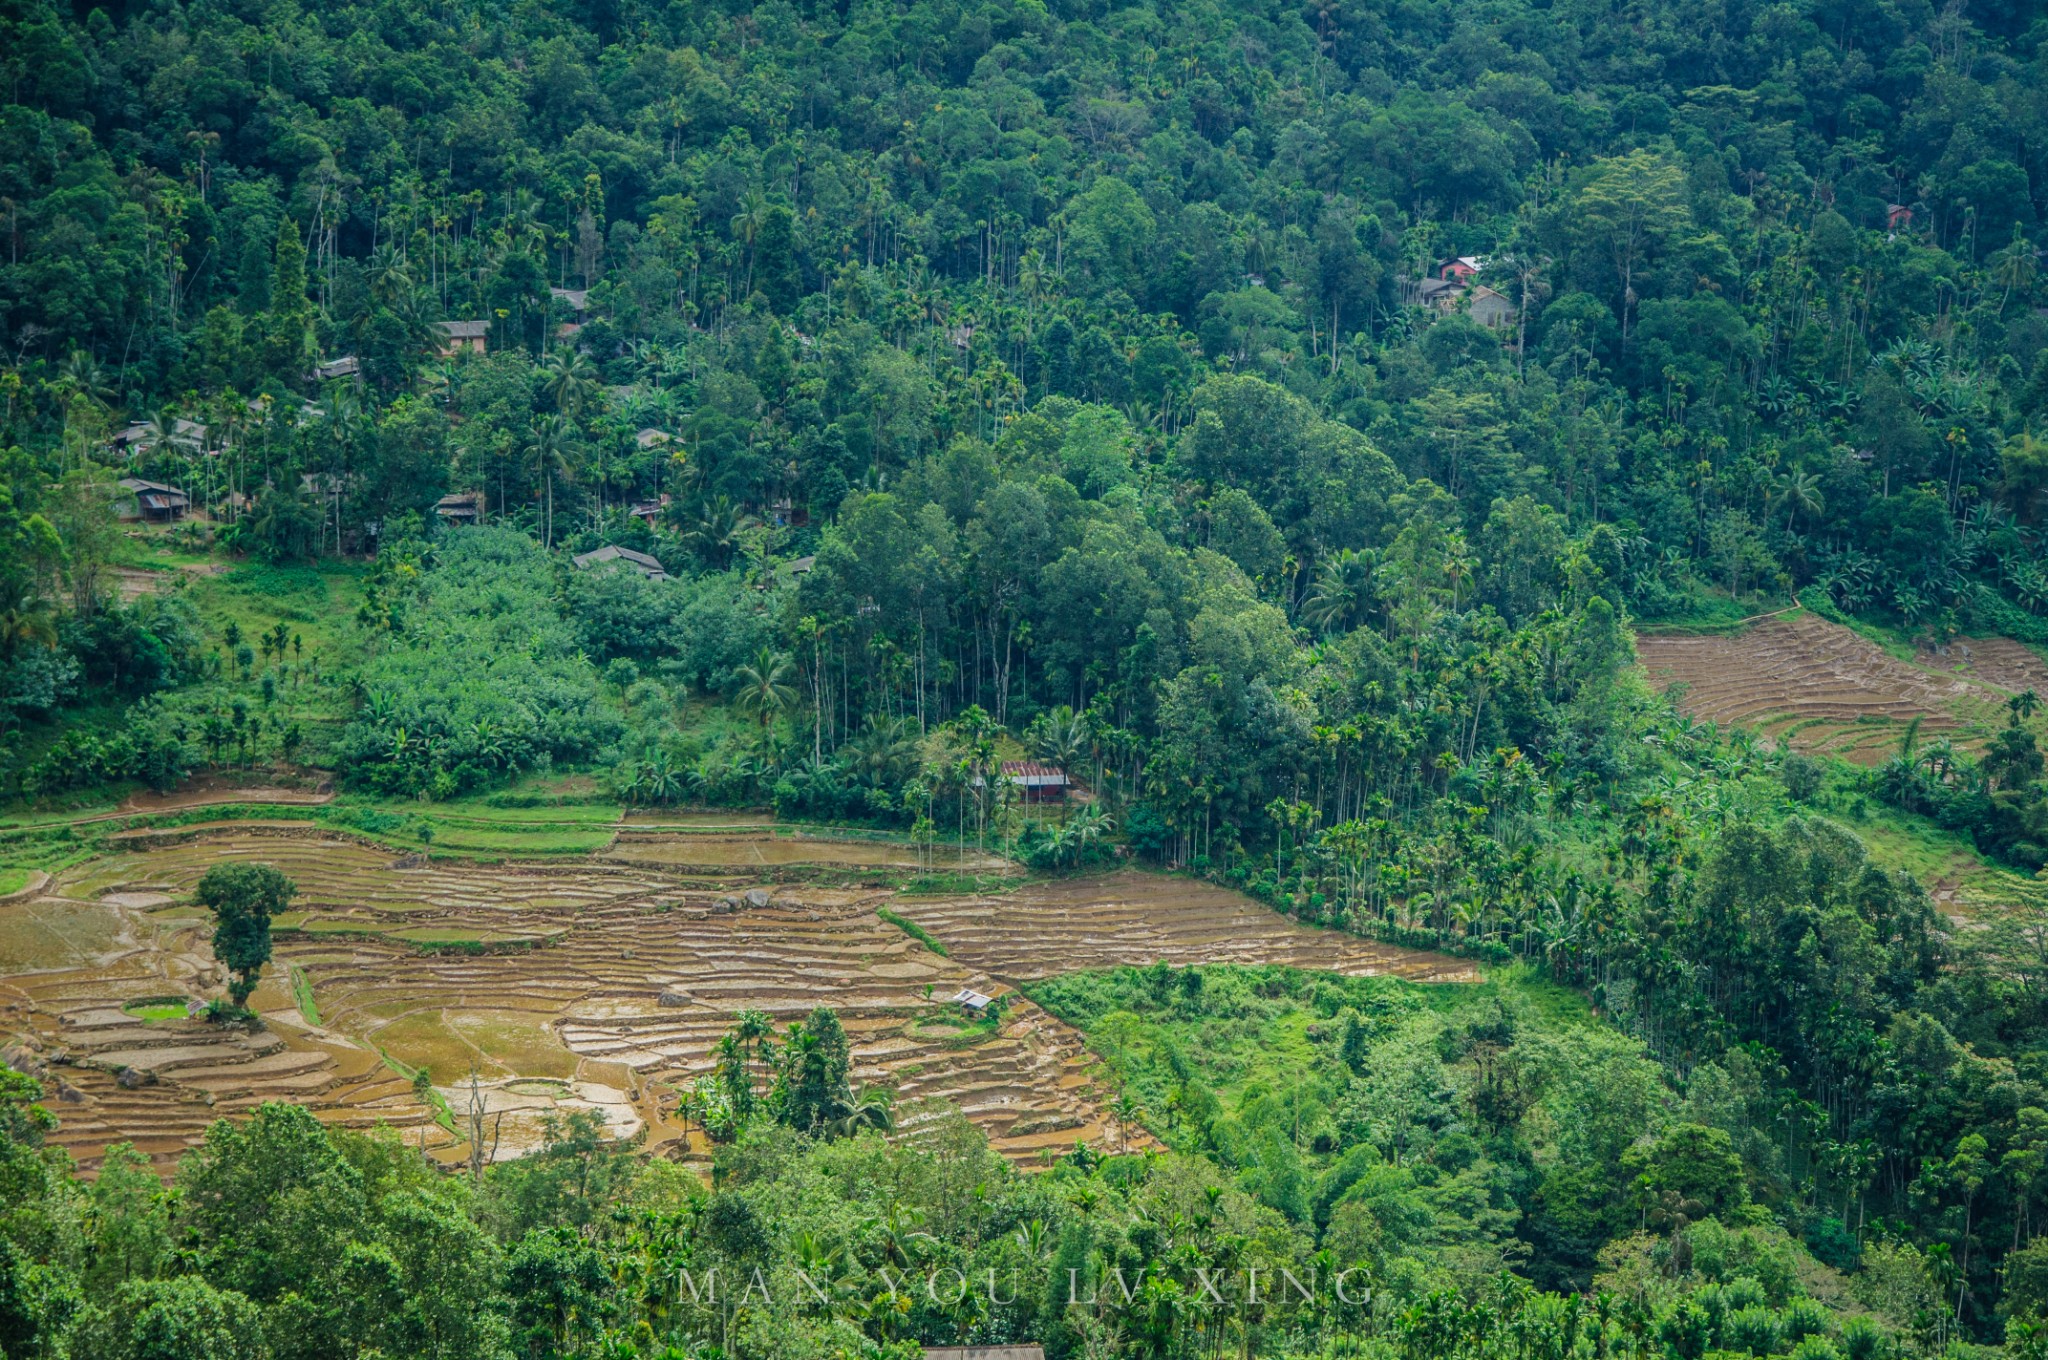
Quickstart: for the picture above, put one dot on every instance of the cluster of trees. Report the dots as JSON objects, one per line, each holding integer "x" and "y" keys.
{"x": 1998, "y": 797}
{"x": 279, "y": 1236}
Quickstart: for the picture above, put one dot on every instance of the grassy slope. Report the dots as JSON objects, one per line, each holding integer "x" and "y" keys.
{"x": 1266, "y": 1030}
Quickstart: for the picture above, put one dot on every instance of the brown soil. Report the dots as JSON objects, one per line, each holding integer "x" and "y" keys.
{"x": 133, "y": 582}
{"x": 1821, "y": 687}
{"x": 207, "y": 792}
{"x": 1132, "y": 918}
{"x": 616, "y": 978}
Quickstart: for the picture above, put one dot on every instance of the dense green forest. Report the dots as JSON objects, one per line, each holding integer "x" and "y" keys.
{"x": 1098, "y": 385}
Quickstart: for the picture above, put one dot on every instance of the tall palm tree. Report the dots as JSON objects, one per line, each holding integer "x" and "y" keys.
{"x": 716, "y": 532}
{"x": 747, "y": 224}
{"x": 24, "y": 618}
{"x": 547, "y": 455}
{"x": 1063, "y": 740}
{"x": 1798, "y": 491}
{"x": 765, "y": 689}
{"x": 571, "y": 381}
{"x": 754, "y": 1032}
{"x": 389, "y": 278}
{"x": 1342, "y": 597}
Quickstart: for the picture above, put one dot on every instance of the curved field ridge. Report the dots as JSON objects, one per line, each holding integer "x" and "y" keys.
{"x": 1818, "y": 686}
{"x": 597, "y": 983}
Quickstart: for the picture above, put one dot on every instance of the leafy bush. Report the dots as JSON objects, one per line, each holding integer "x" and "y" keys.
{"x": 486, "y": 680}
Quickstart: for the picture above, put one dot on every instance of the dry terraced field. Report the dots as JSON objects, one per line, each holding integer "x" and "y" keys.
{"x": 598, "y": 982}
{"x": 1820, "y": 687}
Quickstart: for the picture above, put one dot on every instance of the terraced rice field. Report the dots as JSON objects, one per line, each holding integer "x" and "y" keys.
{"x": 598, "y": 982}
{"x": 1820, "y": 687}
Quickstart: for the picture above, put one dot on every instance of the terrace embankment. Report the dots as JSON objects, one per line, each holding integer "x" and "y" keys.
{"x": 1820, "y": 687}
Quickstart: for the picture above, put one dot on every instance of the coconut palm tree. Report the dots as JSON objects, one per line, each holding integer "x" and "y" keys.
{"x": 1063, "y": 739}
{"x": 1342, "y": 596}
{"x": 717, "y": 530}
{"x": 24, "y": 618}
{"x": 765, "y": 689}
{"x": 571, "y": 381}
{"x": 1798, "y": 491}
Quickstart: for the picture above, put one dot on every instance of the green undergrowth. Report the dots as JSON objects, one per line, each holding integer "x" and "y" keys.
{"x": 302, "y": 993}
{"x": 154, "y": 1009}
{"x": 957, "y": 885}
{"x": 1237, "y": 1060}
{"x": 912, "y": 929}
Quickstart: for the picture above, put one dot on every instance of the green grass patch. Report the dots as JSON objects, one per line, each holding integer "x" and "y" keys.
{"x": 154, "y": 1009}
{"x": 1712, "y": 612}
{"x": 912, "y": 929}
{"x": 957, "y": 885}
{"x": 13, "y": 880}
{"x": 1228, "y": 1058}
{"x": 302, "y": 992}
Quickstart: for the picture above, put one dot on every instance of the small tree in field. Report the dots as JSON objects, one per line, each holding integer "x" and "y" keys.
{"x": 243, "y": 898}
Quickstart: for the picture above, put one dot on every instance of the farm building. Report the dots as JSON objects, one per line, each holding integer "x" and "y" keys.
{"x": 1040, "y": 783}
{"x": 151, "y": 501}
{"x": 347, "y": 366}
{"x": 973, "y": 1002}
{"x": 186, "y": 434}
{"x": 611, "y": 553}
{"x": 1491, "y": 309}
{"x": 462, "y": 336}
{"x": 460, "y": 507}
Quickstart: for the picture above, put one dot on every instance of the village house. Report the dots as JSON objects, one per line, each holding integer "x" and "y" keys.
{"x": 1441, "y": 294}
{"x": 652, "y": 438}
{"x": 186, "y": 434}
{"x": 458, "y": 337}
{"x": 347, "y": 366}
{"x": 1491, "y": 309}
{"x": 625, "y": 557}
{"x": 1040, "y": 783}
{"x": 1464, "y": 269}
{"x": 648, "y": 512}
{"x": 460, "y": 507}
{"x": 151, "y": 501}
{"x": 984, "y": 1353}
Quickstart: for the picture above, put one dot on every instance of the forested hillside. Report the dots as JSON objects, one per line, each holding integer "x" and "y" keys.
{"x": 1283, "y": 420}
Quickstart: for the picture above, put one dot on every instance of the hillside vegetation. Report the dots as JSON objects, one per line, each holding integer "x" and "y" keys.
{"x": 1285, "y": 420}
